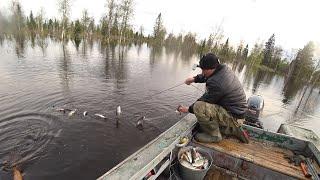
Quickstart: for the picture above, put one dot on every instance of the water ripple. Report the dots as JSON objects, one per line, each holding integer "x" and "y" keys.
{"x": 23, "y": 137}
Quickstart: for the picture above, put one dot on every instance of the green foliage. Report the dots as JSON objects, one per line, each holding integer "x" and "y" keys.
{"x": 256, "y": 55}
{"x": 245, "y": 52}
{"x": 202, "y": 49}
{"x": 239, "y": 52}
{"x": 189, "y": 43}
{"x": 276, "y": 57}
{"x": 268, "y": 51}
{"x": 104, "y": 27}
{"x": 303, "y": 63}
{"x": 283, "y": 66}
{"x": 85, "y": 22}
{"x": 224, "y": 53}
{"x": 115, "y": 26}
{"x": 31, "y": 22}
{"x": 316, "y": 78}
{"x": 173, "y": 42}
{"x": 215, "y": 48}
{"x": 159, "y": 30}
{"x": 77, "y": 31}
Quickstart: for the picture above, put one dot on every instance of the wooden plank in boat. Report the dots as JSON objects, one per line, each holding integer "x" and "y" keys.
{"x": 267, "y": 156}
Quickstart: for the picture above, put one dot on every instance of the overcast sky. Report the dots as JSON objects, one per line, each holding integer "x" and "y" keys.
{"x": 294, "y": 22}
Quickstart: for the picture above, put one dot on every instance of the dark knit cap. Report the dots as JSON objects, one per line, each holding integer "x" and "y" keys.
{"x": 209, "y": 61}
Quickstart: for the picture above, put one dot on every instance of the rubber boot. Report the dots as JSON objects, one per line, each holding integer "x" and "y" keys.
{"x": 211, "y": 132}
{"x": 206, "y": 138}
{"x": 240, "y": 133}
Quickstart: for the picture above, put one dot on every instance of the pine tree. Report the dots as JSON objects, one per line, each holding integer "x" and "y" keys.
{"x": 115, "y": 25}
{"x": 225, "y": 50}
{"x": 77, "y": 30}
{"x": 304, "y": 62}
{"x": 245, "y": 52}
{"x": 239, "y": 51}
{"x": 256, "y": 54}
{"x": 85, "y": 20}
{"x": 268, "y": 51}
{"x": 32, "y": 22}
{"x": 276, "y": 57}
{"x": 159, "y": 30}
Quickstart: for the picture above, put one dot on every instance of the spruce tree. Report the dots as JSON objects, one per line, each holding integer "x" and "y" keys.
{"x": 245, "y": 52}
{"x": 268, "y": 51}
{"x": 225, "y": 49}
{"x": 159, "y": 30}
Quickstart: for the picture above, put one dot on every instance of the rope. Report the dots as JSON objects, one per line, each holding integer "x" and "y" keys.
{"x": 197, "y": 88}
{"x": 147, "y": 98}
{"x": 164, "y": 91}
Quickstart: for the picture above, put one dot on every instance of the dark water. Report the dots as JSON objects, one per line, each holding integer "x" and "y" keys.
{"x": 47, "y": 144}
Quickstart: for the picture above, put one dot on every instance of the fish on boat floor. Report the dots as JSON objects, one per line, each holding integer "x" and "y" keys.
{"x": 259, "y": 153}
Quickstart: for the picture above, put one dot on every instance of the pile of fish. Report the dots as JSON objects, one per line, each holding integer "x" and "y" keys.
{"x": 192, "y": 159}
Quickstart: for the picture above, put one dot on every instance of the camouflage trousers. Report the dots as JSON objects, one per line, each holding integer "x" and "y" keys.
{"x": 214, "y": 119}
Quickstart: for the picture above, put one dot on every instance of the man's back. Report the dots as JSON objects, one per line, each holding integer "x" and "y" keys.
{"x": 230, "y": 93}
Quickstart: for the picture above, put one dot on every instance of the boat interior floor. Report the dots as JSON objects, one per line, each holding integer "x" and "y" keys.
{"x": 259, "y": 153}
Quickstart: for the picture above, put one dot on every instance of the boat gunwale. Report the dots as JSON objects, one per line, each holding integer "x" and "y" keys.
{"x": 160, "y": 156}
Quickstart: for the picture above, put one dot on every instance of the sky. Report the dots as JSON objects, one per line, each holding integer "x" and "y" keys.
{"x": 294, "y": 22}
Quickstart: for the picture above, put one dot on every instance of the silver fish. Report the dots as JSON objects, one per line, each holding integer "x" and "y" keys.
{"x": 187, "y": 164}
{"x": 60, "y": 109}
{"x": 177, "y": 112}
{"x": 198, "y": 163}
{"x": 140, "y": 122}
{"x": 118, "y": 111}
{"x": 100, "y": 115}
{"x": 193, "y": 154}
{"x": 85, "y": 113}
{"x": 188, "y": 153}
{"x": 184, "y": 157}
{"x": 63, "y": 110}
{"x": 72, "y": 112}
{"x": 206, "y": 164}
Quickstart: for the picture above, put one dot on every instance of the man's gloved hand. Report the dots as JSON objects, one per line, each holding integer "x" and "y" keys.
{"x": 188, "y": 81}
{"x": 183, "y": 109}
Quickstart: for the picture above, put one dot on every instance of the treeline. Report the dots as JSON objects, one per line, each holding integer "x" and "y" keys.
{"x": 301, "y": 66}
{"x": 115, "y": 27}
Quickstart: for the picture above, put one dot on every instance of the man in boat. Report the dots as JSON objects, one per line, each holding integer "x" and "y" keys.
{"x": 223, "y": 103}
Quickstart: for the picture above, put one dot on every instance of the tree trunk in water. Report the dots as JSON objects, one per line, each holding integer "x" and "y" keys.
{"x": 120, "y": 37}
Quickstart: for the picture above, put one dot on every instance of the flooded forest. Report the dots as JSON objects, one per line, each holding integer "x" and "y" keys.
{"x": 93, "y": 66}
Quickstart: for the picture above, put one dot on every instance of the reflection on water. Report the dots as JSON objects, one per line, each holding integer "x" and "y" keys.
{"x": 96, "y": 77}
{"x": 20, "y": 44}
{"x": 290, "y": 90}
